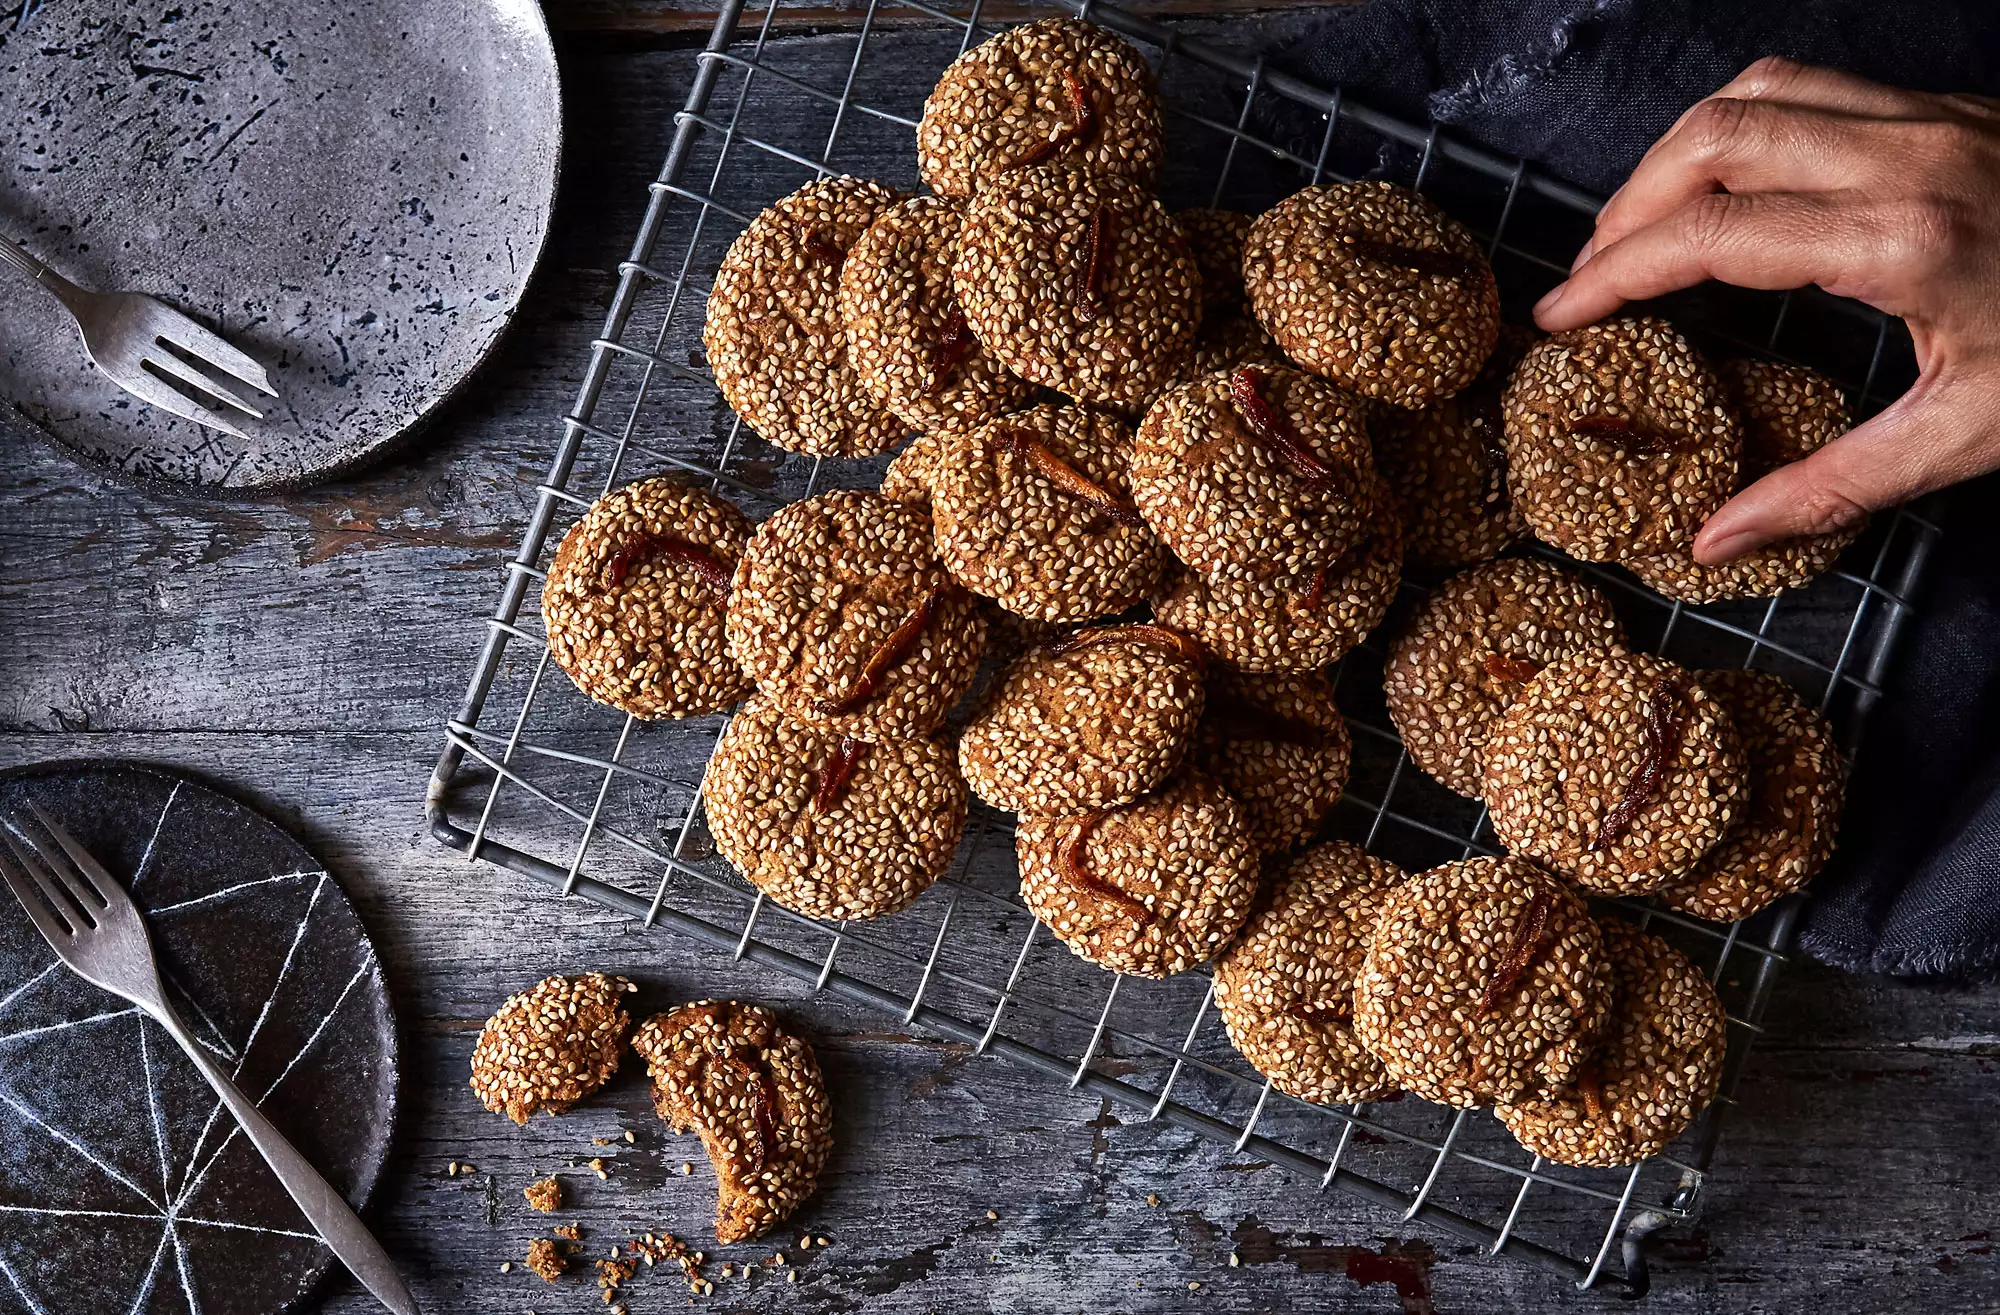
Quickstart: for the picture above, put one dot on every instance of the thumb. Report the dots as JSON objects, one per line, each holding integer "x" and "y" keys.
{"x": 1940, "y": 432}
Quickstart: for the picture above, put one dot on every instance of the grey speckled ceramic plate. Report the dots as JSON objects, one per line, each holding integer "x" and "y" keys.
{"x": 353, "y": 191}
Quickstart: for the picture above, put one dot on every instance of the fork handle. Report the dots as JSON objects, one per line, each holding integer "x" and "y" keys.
{"x": 324, "y": 1207}
{"x": 13, "y": 253}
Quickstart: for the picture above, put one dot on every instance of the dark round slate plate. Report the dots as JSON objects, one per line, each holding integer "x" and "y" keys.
{"x": 354, "y": 192}
{"x": 123, "y": 1184}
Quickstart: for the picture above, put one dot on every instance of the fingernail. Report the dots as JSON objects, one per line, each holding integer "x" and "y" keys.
{"x": 1581, "y": 256}
{"x": 1549, "y": 299}
{"x": 1727, "y": 548}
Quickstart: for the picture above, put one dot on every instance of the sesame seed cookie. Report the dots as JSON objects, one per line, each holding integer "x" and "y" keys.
{"x": 1152, "y": 887}
{"x": 550, "y": 1046}
{"x": 1618, "y": 770}
{"x": 1256, "y": 474}
{"x": 1285, "y": 988}
{"x": 831, "y": 827}
{"x": 843, "y": 616}
{"x": 754, "y": 1092}
{"x": 1059, "y": 91}
{"x": 1215, "y": 239}
{"x": 635, "y": 599}
{"x": 1787, "y": 413}
{"x": 1034, "y": 511}
{"x": 774, "y": 336}
{"x": 1079, "y": 282}
{"x": 1658, "y": 1065}
{"x": 1374, "y": 287}
{"x": 1787, "y": 828}
{"x": 1472, "y": 647}
{"x": 1448, "y": 466}
{"x": 1230, "y": 342}
{"x": 906, "y": 336}
{"x": 1485, "y": 981}
{"x": 1279, "y": 745}
{"x": 1280, "y": 627}
{"x": 908, "y": 478}
{"x": 1093, "y": 720}
{"x": 1619, "y": 440}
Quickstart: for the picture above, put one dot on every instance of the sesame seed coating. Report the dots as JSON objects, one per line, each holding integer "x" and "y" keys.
{"x": 1229, "y": 342}
{"x": 1787, "y": 828}
{"x": 1485, "y": 981}
{"x": 1448, "y": 468}
{"x": 1005, "y": 100}
{"x": 823, "y": 586}
{"x": 862, "y": 850}
{"x": 1279, "y": 627}
{"x": 1658, "y": 1065}
{"x": 1285, "y": 987}
{"x": 1470, "y": 649}
{"x": 550, "y": 1046}
{"x": 1228, "y": 503}
{"x": 908, "y": 478}
{"x": 1279, "y": 745}
{"x": 1215, "y": 239}
{"x": 652, "y": 643}
{"x": 897, "y": 303}
{"x": 1565, "y": 756}
{"x": 1091, "y": 727}
{"x": 1023, "y": 278}
{"x": 1619, "y": 441}
{"x": 753, "y": 1091}
{"x": 1787, "y": 413}
{"x": 1180, "y": 853}
{"x": 1008, "y": 531}
{"x": 1374, "y": 287}
{"x": 774, "y": 336}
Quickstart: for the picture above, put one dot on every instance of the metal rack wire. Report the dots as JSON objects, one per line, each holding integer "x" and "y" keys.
{"x": 966, "y": 962}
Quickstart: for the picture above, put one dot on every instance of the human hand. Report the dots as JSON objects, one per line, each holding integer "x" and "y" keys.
{"x": 1793, "y": 175}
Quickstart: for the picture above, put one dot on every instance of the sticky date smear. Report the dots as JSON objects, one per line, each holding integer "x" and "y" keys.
{"x": 1073, "y": 863}
{"x": 1240, "y": 719}
{"x": 1590, "y": 1086}
{"x": 953, "y": 343}
{"x": 831, "y": 785}
{"x": 1275, "y": 430}
{"x": 1172, "y": 640}
{"x": 1634, "y": 436}
{"x": 1424, "y": 260}
{"x": 1092, "y": 265}
{"x": 1081, "y": 128}
{"x": 708, "y": 568}
{"x": 1659, "y": 740}
{"x": 891, "y": 651}
{"x": 820, "y": 245}
{"x": 763, "y": 1109}
{"x": 1069, "y": 479}
{"x": 1519, "y": 953}
{"x": 1335, "y": 1011}
{"x": 1511, "y": 670}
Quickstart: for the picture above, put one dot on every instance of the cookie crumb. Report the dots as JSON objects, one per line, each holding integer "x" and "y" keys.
{"x": 993, "y": 1215}
{"x": 570, "y": 1232}
{"x": 545, "y": 1194}
{"x": 1152, "y": 1198}
{"x": 597, "y": 1167}
{"x": 547, "y": 1259}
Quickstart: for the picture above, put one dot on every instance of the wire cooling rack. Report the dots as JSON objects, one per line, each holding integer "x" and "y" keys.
{"x": 538, "y": 780}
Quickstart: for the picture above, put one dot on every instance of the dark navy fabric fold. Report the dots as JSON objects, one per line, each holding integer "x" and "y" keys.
{"x": 1583, "y": 87}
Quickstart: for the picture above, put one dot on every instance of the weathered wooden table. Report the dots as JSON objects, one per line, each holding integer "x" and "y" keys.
{"x": 305, "y": 651}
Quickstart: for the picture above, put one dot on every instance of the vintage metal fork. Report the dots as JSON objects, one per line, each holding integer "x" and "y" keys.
{"x": 96, "y": 929}
{"x": 153, "y": 351}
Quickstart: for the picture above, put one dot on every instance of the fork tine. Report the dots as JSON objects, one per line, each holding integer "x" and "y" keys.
{"x": 192, "y": 338}
{"x": 149, "y": 389}
{"x": 78, "y": 887}
{"x": 102, "y": 883}
{"x": 61, "y": 900}
{"x": 167, "y": 362}
{"x": 55, "y": 931}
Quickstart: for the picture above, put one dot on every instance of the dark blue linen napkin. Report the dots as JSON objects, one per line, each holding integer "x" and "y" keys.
{"x": 1584, "y": 87}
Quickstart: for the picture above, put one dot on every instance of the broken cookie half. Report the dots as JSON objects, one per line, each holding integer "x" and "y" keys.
{"x": 754, "y": 1093}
